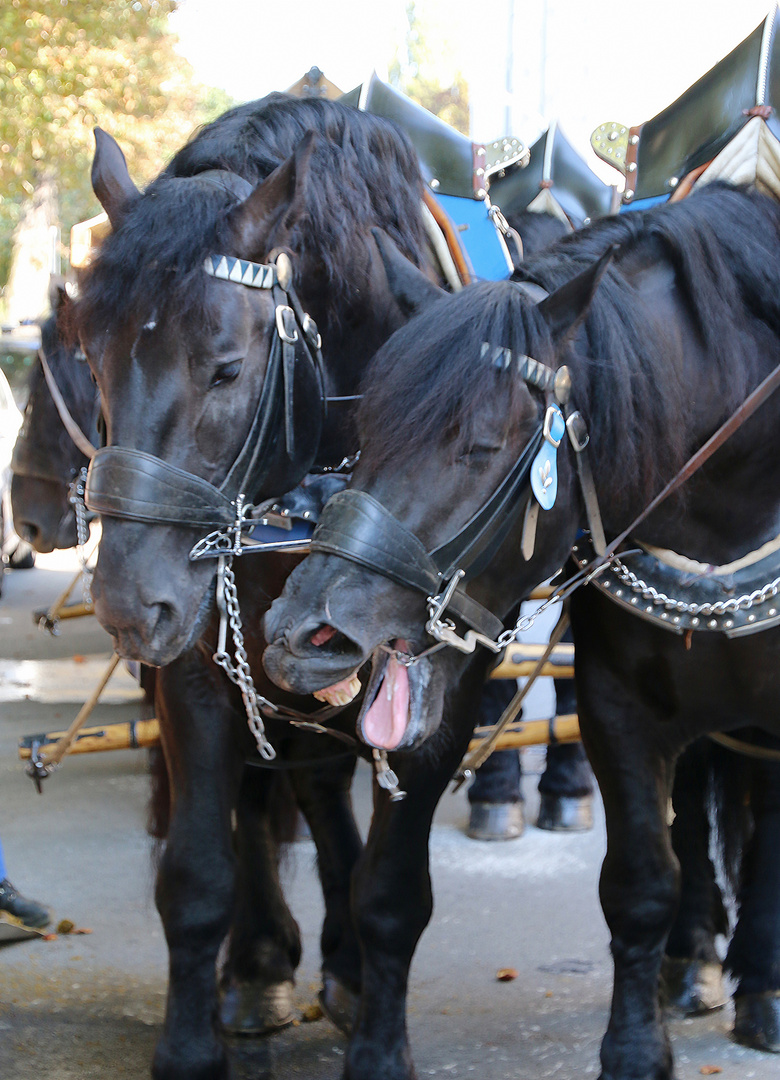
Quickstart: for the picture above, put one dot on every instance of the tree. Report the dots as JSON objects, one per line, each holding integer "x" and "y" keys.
{"x": 414, "y": 71}
{"x": 69, "y": 65}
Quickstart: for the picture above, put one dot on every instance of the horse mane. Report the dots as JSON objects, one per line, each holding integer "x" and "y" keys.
{"x": 724, "y": 245}
{"x": 363, "y": 173}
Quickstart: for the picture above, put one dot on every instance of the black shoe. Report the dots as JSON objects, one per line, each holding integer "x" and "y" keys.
{"x": 565, "y": 813}
{"x": 27, "y": 911}
{"x": 495, "y": 821}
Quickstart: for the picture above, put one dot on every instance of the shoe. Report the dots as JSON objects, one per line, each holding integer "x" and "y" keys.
{"x": 495, "y": 821}
{"x": 565, "y": 813}
{"x": 27, "y": 911}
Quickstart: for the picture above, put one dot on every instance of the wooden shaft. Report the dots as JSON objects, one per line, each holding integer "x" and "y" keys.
{"x": 564, "y": 729}
{"x": 127, "y": 735}
{"x": 54, "y": 611}
{"x": 62, "y": 745}
{"x": 132, "y": 734}
{"x": 71, "y": 611}
{"x": 519, "y": 660}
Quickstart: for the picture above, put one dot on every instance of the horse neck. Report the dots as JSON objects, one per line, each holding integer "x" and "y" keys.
{"x": 733, "y": 502}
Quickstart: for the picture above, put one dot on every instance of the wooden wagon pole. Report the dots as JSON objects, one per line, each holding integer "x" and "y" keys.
{"x": 41, "y": 765}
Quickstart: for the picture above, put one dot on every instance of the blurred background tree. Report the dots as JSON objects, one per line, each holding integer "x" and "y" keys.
{"x": 423, "y": 70}
{"x": 66, "y": 66}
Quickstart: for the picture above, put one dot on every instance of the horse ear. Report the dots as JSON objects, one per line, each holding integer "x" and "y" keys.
{"x": 413, "y": 291}
{"x": 563, "y": 309}
{"x": 110, "y": 177}
{"x": 276, "y": 203}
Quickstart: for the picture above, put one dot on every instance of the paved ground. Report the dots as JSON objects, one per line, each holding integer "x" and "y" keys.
{"x": 89, "y": 1007}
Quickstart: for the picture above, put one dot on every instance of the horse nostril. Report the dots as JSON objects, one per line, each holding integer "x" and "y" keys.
{"x": 325, "y": 633}
{"x": 27, "y": 531}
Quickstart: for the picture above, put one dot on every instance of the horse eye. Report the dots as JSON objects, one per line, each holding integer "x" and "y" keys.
{"x": 477, "y": 454}
{"x": 226, "y": 373}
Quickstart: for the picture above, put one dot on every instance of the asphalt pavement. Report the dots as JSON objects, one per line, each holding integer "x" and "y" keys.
{"x": 89, "y": 1007}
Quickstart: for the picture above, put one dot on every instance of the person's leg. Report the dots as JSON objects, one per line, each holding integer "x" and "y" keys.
{"x": 495, "y": 797}
{"x": 566, "y": 785}
{"x": 30, "y": 912}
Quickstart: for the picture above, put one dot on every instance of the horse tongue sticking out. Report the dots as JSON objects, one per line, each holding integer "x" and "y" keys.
{"x": 386, "y": 720}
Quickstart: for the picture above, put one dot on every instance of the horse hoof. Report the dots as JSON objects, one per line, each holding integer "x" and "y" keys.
{"x": 338, "y": 1003}
{"x": 692, "y": 987}
{"x": 495, "y": 821}
{"x": 757, "y": 1020}
{"x": 248, "y": 1008}
{"x": 565, "y": 813}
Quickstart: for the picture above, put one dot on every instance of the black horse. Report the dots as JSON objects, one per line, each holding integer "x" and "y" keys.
{"x": 660, "y": 347}
{"x": 180, "y": 358}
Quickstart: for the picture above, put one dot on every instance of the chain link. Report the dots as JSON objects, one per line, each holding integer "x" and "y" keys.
{"x": 77, "y": 492}
{"x": 719, "y": 607}
{"x": 239, "y": 671}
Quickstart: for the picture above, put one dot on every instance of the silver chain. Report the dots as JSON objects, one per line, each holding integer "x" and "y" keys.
{"x": 239, "y": 672}
{"x": 720, "y": 607}
{"x": 77, "y": 490}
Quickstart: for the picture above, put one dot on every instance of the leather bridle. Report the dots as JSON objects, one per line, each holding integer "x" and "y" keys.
{"x": 354, "y": 526}
{"x": 133, "y": 485}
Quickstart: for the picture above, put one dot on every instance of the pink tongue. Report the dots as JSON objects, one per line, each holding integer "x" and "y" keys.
{"x": 385, "y": 722}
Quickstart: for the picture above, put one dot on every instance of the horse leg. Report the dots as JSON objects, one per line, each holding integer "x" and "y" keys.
{"x": 391, "y": 917}
{"x": 754, "y": 954}
{"x": 196, "y": 878}
{"x": 323, "y": 794}
{"x": 691, "y": 974}
{"x": 264, "y": 949}
{"x": 640, "y": 876}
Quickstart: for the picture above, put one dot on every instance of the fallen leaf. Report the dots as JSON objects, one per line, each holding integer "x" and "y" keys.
{"x": 506, "y": 974}
{"x": 79, "y": 659}
{"x": 49, "y": 937}
{"x": 65, "y": 926}
{"x": 548, "y": 993}
{"x": 311, "y": 1013}
{"x": 710, "y": 1070}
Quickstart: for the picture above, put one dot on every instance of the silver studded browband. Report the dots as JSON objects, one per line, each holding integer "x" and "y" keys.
{"x": 243, "y": 272}
{"x": 530, "y": 370}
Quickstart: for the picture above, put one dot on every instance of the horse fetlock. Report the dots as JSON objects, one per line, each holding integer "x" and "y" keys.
{"x": 256, "y": 1007}
{"x": 757, "y": 1020}
{"x": 373, "y": 1060}
{"x": 191, "y": 1061}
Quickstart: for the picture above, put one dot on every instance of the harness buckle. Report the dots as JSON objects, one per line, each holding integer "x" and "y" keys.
{"x": 552, "y": 416}
{"x": 311, "y": 331}
{"x": 285, "y": 317}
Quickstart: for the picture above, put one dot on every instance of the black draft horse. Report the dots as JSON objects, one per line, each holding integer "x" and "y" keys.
{"x": 179, "y": 357}
{"x": 661, "y": 347}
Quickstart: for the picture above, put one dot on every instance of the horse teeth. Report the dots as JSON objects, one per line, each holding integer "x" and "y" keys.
{"x": 340, "y": 693}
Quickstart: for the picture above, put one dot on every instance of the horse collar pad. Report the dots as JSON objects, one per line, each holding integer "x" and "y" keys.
{"x": 544, "y": 470}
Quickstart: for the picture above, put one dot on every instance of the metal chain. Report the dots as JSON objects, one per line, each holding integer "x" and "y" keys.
{"x": 239, "y": 672}
{"x": 720, "y": 607}
{"x": 77, "y": 491}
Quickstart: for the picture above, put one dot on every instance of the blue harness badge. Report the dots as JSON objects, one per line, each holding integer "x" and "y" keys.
{"x": 544, "y": 471}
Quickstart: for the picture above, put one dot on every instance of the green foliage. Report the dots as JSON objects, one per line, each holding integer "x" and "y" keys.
{"x": 411, "y": 71}
{"x": 69, "y": 65}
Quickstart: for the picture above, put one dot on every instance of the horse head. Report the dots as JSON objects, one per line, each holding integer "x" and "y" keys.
{"x": 201, "y": 321}
{"x": 460, "y": 410}
{"x": 46, "y": 460}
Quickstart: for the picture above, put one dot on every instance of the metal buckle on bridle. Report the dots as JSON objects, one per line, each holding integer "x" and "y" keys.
{"x": 285, "y": 317}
